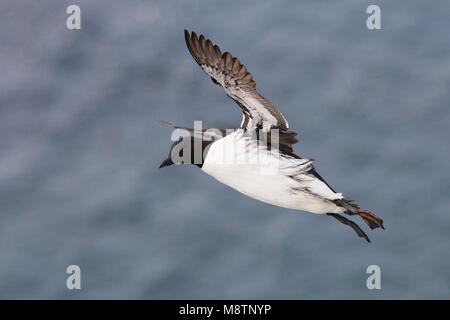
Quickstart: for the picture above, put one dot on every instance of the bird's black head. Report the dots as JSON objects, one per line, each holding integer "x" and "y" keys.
{"x": 187, "y": 150}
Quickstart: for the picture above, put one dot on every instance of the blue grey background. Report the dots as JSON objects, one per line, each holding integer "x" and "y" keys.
{"x": 80, "y": 150}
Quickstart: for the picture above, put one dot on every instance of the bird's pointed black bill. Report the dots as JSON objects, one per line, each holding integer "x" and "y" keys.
{"x": 166, "y": 163}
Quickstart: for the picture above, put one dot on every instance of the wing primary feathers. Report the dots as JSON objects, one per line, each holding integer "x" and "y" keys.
{"x": 235, "y": 66}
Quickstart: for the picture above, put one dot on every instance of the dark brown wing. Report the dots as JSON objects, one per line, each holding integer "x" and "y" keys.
{"x": 237, "y": 82}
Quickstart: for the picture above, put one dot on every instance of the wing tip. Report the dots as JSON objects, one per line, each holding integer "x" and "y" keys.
{"x": 187, "y": 36}
{"x": 166, "y": 123}
{"x": 192, "y": 43}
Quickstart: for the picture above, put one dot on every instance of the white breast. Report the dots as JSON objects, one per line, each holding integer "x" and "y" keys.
{"x": 240, "y": 163}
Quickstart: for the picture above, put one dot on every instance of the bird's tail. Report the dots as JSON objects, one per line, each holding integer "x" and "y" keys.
{"x": 352, "y": 209}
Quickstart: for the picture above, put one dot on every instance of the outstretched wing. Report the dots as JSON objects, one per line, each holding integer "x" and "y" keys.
{"x": 237, "y": 82}
{"x": 213, "y": 134}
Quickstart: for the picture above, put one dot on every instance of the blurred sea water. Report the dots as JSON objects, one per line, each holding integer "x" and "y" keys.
{"x": 80, "y": 149}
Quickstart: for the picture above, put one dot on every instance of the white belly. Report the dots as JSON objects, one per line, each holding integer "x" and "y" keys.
{"x": 262, "y": 180}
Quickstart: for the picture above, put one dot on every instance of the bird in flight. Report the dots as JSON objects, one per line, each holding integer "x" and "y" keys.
{"x": 257, "y": 159}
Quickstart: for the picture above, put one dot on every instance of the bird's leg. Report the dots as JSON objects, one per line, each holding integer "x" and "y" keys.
{"x": 352, "y": 209}
{"x": 351, "y": 224}
{"x": 370, "y": 219}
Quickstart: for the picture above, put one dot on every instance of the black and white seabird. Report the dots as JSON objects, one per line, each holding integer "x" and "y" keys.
{"x": 277, "y": 176}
